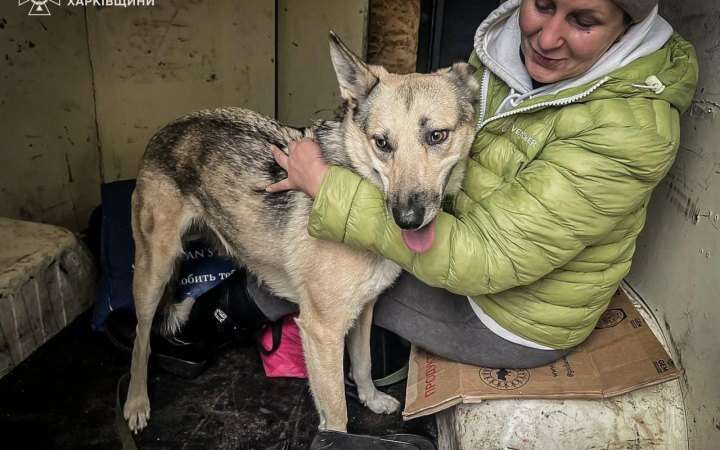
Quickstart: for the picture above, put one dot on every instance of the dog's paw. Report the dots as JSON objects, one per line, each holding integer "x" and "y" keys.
{"x": 137, "y": 413}
{"x": 379, "y": 402}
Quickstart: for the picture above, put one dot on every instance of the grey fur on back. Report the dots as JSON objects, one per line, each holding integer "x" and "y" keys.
{"x": 225, "y": 153}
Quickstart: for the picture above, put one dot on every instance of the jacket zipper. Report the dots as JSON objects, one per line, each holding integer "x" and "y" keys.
{"x": 484, "y": 86}
{"x": 561, "y": 102}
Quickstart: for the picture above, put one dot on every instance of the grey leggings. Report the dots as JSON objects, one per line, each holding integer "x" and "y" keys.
{"x": 434, "y": 319}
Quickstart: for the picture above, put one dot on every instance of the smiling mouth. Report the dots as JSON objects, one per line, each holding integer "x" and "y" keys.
{"x": 544, "y": 61}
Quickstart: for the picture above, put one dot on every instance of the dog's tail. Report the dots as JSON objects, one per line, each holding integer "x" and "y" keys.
{"x": 174, "y": 315}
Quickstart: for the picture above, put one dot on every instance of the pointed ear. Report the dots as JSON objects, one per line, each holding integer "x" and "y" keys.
{"x": 461, "y": 75}
{"x": 354, "y": 77}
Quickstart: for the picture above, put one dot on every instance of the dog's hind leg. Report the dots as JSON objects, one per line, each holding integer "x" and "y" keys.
{"x": 359, "y": 349}
{"x": 159, "y": 218}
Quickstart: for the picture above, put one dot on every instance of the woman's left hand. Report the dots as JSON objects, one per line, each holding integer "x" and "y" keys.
{"x": 305, "y": 167}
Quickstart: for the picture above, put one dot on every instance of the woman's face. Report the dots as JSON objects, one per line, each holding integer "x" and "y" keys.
{"x": 563, "y": 38}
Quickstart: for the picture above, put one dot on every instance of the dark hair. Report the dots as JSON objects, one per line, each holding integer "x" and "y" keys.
{"x": 627, "y": 20}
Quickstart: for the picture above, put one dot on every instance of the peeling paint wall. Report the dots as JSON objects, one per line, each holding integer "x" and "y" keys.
{"x": 677, "y": 264}
{"x": 307, "y": 87}
{"x": 48, "y": 146}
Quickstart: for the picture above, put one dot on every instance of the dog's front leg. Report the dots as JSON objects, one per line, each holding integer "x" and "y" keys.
{"x": 360, "y": 360}
{"x": 323, "y": 340}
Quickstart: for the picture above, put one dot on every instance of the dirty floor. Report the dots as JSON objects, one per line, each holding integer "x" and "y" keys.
{"x": 63, "y": 397}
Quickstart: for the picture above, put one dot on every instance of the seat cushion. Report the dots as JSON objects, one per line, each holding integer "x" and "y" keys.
{"x": 47, "y": 278}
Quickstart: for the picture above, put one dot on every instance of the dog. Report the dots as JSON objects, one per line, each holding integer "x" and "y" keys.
{"x": 409, "y": 135}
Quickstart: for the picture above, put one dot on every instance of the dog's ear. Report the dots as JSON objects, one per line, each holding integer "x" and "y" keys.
{"x": 461, "y": 74}
{"x": 355, "y": 78}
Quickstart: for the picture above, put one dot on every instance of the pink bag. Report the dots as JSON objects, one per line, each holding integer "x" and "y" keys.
{"x": 287, "y": 360}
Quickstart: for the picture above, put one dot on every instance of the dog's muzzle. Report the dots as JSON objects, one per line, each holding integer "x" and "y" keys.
{"x": 409, "y": 217}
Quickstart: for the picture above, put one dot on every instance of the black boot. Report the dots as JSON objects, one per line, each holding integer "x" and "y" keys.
{"x": 347, "y": 441}
{"x": 223, "y": 316}
{"x": 183, "y": 355}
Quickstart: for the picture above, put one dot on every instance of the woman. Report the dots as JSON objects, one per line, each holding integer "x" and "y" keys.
{"x": 578, "y": 122}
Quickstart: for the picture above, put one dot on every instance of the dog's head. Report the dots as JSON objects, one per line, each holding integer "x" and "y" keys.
{"x": 408, "y": 134}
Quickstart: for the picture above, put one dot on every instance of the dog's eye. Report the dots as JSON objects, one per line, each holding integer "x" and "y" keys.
{"x": 381, "y": 143}
{"x": 436, "y": 137}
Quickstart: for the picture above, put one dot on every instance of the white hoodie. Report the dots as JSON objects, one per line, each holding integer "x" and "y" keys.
{"x": 497, "y": 45}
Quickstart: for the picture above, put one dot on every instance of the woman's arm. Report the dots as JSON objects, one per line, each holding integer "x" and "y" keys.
{"x": 573, "y": 194}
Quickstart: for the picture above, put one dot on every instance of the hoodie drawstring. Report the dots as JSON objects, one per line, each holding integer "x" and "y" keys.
{"x": 653, "y": 83}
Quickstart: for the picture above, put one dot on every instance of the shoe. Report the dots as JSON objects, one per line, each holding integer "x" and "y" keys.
{"x": 227, "y": 314}
{"x": 239, "y": 305}
{"x": 179, "y": 355}
{"x": 347, "y": 441}
{"x": 418, "y": 441}
{"x": 221, "y": 317}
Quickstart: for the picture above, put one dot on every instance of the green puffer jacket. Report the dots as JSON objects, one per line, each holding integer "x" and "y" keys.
{"x": 555, "y": 193}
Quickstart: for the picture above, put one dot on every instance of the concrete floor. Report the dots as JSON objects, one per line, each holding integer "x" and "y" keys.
{"x": 63, "y": 397}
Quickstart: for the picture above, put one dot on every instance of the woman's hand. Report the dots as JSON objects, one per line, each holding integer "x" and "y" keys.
{"x": 304, "y": 165}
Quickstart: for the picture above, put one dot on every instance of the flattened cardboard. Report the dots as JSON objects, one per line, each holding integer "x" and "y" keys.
{"x": 621, "y": 355}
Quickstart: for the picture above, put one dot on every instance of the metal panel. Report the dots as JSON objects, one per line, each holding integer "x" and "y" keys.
{"x": 677, "y": 264}
{"x": 153, "y": 64}
{"x": 84, "y": 89}
{"x": 49, "y": 154}
{"x": 307, "y": 87}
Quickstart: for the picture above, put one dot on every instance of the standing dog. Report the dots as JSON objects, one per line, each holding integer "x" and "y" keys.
{"x": 407, "y": 134}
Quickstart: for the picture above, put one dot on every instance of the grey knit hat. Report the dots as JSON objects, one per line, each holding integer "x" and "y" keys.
{"x": 637, "y": 9}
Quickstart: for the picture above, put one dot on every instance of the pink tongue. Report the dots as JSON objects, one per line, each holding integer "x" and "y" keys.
{"x": 420, "y": 241}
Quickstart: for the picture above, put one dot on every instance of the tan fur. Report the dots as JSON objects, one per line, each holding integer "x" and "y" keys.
{"x": 334, "y": 285}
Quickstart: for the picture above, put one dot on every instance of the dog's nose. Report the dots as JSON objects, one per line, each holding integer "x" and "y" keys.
{"x": 409, "y": 217}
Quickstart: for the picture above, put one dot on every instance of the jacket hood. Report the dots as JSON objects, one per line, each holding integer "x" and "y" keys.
{"x": 497, "y": 45}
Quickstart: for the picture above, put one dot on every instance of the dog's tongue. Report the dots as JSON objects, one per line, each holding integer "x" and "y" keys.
{"x": 420, "y": 240}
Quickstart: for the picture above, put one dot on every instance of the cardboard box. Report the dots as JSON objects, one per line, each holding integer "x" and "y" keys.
{"x": 621, "y": 355}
